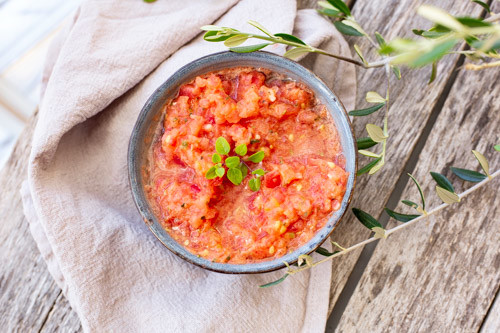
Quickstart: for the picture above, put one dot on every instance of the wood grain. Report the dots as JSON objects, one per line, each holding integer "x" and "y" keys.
{"x": 442, "y": 274}
{"x": 27, "y": 291}
{"x": 412, "y": 103}
{"x": 492, "y": 322}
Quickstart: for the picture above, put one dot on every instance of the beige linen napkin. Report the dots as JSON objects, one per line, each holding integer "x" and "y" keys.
{"x": 77, "y": 199}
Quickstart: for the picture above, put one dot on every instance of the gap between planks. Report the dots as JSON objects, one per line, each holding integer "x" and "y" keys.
{"x": 394, "y": 198}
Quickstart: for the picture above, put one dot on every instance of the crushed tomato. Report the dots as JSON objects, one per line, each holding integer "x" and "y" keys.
{"x": 305, "y": 180}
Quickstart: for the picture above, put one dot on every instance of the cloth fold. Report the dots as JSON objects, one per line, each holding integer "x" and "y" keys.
{"x": 114, "y": 272}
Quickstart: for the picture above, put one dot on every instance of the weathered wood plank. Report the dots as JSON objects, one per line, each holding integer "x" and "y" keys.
{"x": 27, "y": 291}
{"x": 492, "y": 322}
{"x": 412, "y": 103}
{"x": 441, "y": 275}
{"x": 61, "y": 318}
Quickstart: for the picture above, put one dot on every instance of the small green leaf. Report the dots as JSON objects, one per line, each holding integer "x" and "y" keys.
{"x": 482, "y": 161}
{"x": 340, "y": 5}
{"x": 419, "y": 190}
{"x": 346, "y": 30}
{"x": 290, "y": 38}
{"x": 468, "y": 175}
{"x": 260, "y": 27}
{"x": 397, "y": 72}
{"x": 215, "y": 36}
{"x": 483, "y": 4}
{"x": 254, "y": 184}
{"x": 241, "y": 150}
{"x": 216, "y": 158}
{"x": 368, "y": 167}
{"x": 232, "y": 162}
{"x": 210, "y": 174}
{"x": 249, "y": 48}
{"x": 410, "y": 203}
{"x": 447, "y": 196}
{"x": 360, "y": 54}
{"x": 366, "y": 219}
{"x": 417, "y": 32}
{"x": 244, "y": 170}
{"x": 442, "y": 181}
{"x": 350, "y": 22}
{"x": 497, "y": 147}
{"x": 473, "y": 22}
{"x": 367, "y": 111}
{"x": 433, "y": 72}
{"x": 259, "y": 172}
{"x": 220, "y": 172}
{"x": 435, "y": 54}
{"x": 235, "y": 176}
{"x": 379, "y": 38}
{"x": 439, "y": 16}
{"x": 235, "y": 40}
{"x": 365, "y": 143}
{"x": 222, "y": 146}
{"x": 376, "y": 168}
{"x": 368, "y": 153}
{"x": 211, "y": 28}
{"x": 296, "y": 52}
{"x": 325, "y": 252}
{"x": 257, "y": 157}
{"x": 375, "y": 132}
{"x": 400, "y": 217}
{"x": 329, "y": 12}
{"x": 374, "y": 97}
{"x": 270, "y": 284}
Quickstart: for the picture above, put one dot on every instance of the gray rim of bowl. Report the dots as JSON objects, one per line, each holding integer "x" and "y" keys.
{"x": 321, "y": 91}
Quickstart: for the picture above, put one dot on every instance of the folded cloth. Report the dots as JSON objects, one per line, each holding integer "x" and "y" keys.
{"x": 116, "y": 275}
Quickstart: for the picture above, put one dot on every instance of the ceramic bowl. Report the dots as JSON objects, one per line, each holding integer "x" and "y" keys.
{"x": 147, "y": 123}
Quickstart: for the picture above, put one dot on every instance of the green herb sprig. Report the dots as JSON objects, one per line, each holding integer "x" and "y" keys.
{"x": 237, "y": 168}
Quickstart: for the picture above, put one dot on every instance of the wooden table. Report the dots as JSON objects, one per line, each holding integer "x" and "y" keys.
{"x": 437, "y": 276}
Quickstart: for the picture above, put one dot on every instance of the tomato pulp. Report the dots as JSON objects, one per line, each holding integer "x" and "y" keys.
{"x": 305, "y": 178}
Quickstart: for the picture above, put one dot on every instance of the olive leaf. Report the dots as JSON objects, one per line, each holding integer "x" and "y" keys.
{"x": 222, "y": 146}
{"x": 447, "y": 196}
{"x": 368, "y": 167}
{"x": 379, "y": 38}
{"x": 400, "y": 217}
{"x": 434, "y": 54}
{"x": 374, "y": 97}
{"x": 377, "y": 167}
{"x": 346, "y": 30}
{"x": 329, "y": 12}
{"x": 366, "y": 219}
{"x": 353, "y": 24}
{"x": 364, "y": 143}
{"x": 368, "y": 153}
{"x": 232, "y": 162}
{"x": 325, "y": 252}
{"x": 375, "y": 132}
{"x": 483, "y": 4}
{"x": 290, "y": 38}
{"x": 367, "y": 111}
{"x": 433, "y": 72}
{"x": 360, "y": 54}
{"x": 249, "y": 48}
{"x": 257, "y": 157}
{"x": 482, "y": 161}
{"x": 440, "y": 17}
{"x": 236, "y": 40}
{"x": 260, "y": 27}
{"x": 468, "y": 175}
{"x": 235, "y": 176}
{"x": 410, "y": 203}
{"x": 296, "y": 52}
{"x": 419, "y": 190}
{"x": 216, "y": 36}
{"x": 341, "y": 6}
{"x": 270, "y": 284}
{"x": 397, "y": 72}
{"x": 442, "y": 181}
{"x": 211, "y": 28}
